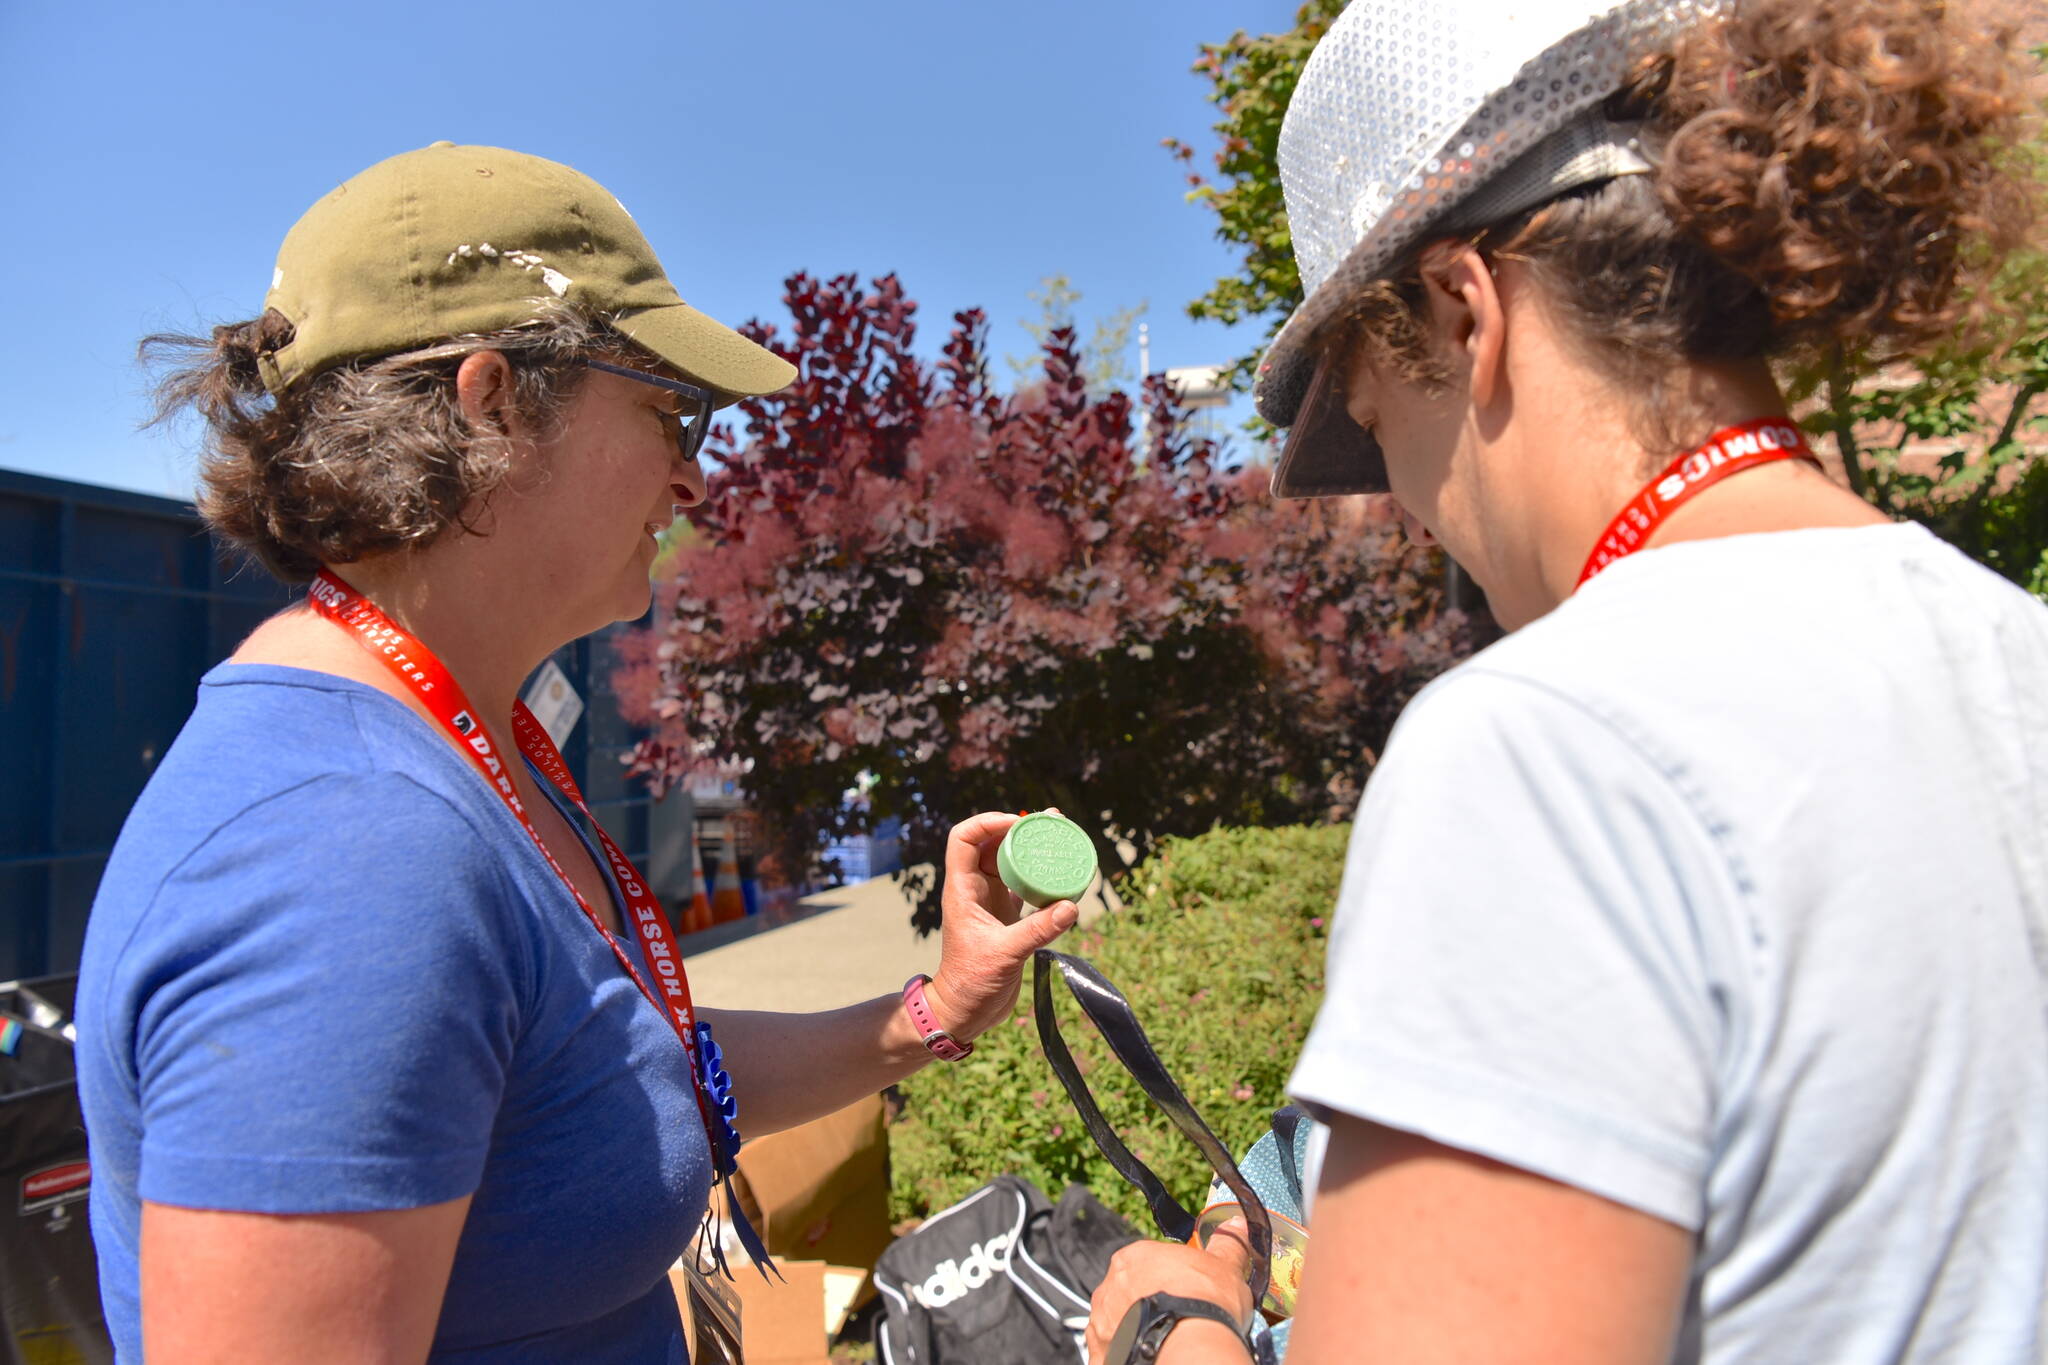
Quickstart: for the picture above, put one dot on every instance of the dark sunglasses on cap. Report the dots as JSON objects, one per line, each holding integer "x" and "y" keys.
{"x": 692, "y": 427}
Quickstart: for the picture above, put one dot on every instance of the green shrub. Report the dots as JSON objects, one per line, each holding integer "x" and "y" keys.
{"x": 1220, "y": 950}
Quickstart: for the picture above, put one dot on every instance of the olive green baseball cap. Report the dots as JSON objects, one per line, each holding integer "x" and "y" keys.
{"x": 449, "y": 241}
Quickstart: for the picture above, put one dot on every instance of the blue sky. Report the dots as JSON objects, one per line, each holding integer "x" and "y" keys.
{"x": 156, "y": 153}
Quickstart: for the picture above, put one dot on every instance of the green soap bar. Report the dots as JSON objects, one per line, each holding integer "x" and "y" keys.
{"x": 1046, "y": 858}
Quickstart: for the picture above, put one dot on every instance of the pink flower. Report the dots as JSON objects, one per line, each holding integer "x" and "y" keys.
{"x": 1034, "y": 545}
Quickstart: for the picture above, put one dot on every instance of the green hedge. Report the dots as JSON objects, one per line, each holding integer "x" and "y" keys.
{"x": 1220, "y": 949}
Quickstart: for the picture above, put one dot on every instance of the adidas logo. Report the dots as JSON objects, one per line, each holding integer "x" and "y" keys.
{"x": 956, "y": 1279}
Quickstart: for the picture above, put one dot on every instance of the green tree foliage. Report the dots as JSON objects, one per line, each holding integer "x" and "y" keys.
{"x": 1251, "y": 79}
{"x": 1220, "y": 951}
{"x": 1954, "y": 440}
{"x": 1105, "y": 360}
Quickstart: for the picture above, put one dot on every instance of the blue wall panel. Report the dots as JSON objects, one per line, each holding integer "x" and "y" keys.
{"x": 28, "y": 532}
{"x": 28, "y": 677}
{"x": 24, "y": 919}
{"x": 132, "y": 666}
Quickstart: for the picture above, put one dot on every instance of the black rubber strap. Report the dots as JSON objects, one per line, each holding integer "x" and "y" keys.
{"x": 1106, "y": 1006}
{"x": 1151, "y": 1320}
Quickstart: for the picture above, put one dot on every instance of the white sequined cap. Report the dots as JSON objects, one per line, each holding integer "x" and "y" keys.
{"x": 1405, "y": 110}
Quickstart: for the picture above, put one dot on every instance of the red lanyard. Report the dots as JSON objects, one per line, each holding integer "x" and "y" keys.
{"x": 1731, "y": 451}
{"x": 438, "y": 691}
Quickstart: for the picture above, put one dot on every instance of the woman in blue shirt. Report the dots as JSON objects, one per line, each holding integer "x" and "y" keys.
{"x": 378, "y": 1059}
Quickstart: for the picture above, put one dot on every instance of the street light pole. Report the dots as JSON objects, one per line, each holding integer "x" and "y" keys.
{"x": 1144, "y": 373}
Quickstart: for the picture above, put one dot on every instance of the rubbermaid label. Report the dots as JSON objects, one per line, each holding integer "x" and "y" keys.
{"x": 54, "y": 1185}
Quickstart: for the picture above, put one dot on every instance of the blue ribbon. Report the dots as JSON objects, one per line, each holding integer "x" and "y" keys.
{"x": 717, "y": 1084}
{"x": 725, "y": 1150}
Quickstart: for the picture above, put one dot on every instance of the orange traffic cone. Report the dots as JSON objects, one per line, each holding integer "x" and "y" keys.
{"x": 727, "y": 901}
{"x": 698, "y": 915}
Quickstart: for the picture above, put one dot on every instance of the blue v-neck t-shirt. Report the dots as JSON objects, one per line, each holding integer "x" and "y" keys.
{"x": 327, "y": 971}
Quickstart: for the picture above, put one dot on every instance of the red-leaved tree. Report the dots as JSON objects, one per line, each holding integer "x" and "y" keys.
{"x": 994, "y": 601}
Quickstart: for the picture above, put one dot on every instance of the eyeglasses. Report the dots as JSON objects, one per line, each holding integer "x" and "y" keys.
{"x": 691, "y": 428}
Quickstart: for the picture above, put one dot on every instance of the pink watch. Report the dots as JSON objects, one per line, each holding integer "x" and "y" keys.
{"x": 940, "y": 1043}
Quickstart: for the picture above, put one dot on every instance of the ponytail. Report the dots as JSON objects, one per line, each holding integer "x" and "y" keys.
{"x": 1859, "y": 164}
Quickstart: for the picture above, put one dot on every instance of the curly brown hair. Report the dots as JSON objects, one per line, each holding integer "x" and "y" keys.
{"x": 1840, "y": 175}
{"x": 363, "y": 459}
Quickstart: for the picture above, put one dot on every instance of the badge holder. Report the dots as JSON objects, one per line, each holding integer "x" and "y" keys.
{"x": 1106, "y": 1006}
{"x": 714, "y": 1308}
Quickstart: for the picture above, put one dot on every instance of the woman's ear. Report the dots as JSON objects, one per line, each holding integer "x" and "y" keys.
{"x": 1465, "y": 309}
{"x": 485, "y": 390}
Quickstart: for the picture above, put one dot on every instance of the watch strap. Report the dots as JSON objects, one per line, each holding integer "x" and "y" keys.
{"x": 937, "y": 1041}
{"x": 1143, "y": 1332}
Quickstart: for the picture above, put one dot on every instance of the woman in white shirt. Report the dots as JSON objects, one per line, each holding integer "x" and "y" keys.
{"x": 1686, "y": 992}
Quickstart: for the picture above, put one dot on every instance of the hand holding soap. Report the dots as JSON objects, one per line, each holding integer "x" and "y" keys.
{"x": 1045, "y": 858}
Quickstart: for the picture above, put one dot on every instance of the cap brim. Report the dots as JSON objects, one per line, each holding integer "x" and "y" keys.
{"x": 1326, "y": 454}
{"x": 707, "y": 351}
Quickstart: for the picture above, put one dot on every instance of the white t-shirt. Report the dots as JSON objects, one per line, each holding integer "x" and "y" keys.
{"x": 1722, "y": 892}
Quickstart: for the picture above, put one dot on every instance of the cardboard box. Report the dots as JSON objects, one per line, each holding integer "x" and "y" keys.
{"x": 789, "y": 1321}
{"x": 783, "y": 1322}
{"x": 820, "y": 1191}
{"x": 819, "y": 1196}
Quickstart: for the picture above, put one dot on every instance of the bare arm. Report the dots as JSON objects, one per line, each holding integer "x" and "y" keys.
{"x": 224, "y": 1288}
{"x": 1423, "y": 1253}
{"x": 1427, "y": 1255}
{"x": 790, "y": 1068}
